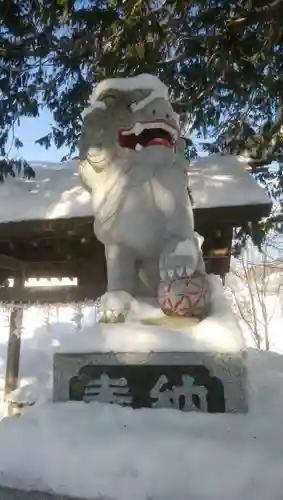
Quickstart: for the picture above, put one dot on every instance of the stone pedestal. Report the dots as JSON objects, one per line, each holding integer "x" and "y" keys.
{"x": 201, "y": 381}
{"x": 154, "y": 361}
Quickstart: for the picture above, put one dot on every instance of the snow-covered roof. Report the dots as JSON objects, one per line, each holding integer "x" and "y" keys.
{"x": 56, "y": 192}
{"x": 223, "y": 181}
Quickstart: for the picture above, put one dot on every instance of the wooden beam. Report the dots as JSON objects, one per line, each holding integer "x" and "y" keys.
{"x": 14, "y": 345}
{"x": 51, "y": 294}
{"x": 47, "y": 227}
{"x": 230, "y": 216}
{"x": 95, "y": 268}
{"x": 8, "y": 263}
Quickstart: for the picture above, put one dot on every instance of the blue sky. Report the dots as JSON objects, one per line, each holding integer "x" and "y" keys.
{"x": 29, "y": 131}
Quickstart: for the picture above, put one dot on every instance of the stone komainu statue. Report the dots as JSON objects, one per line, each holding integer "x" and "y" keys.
{"x": 131, "y": 160}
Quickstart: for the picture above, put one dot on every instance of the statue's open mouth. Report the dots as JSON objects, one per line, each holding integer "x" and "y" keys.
{"x": 153, "y": 133}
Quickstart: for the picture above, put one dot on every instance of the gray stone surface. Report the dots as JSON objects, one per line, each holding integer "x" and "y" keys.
{"x": 14, "y": 494}
{"x": 230, "y": 369}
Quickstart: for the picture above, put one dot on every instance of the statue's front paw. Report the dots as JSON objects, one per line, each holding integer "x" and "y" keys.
{"x": 181, "y": 262}
{"x": 114, "y": 307}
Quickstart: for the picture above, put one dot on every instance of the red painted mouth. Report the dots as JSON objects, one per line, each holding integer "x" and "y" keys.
{"x": 160, "y": 142}
{"x": 152, "y": 133}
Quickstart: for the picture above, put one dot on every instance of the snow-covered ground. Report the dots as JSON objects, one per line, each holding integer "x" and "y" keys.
{"x": 106, "y": 452}
{"x": 101, "y": 451}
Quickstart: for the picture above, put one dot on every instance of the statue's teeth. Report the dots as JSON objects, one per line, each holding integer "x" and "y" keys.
{"x": 162, "y": 274}
{"x": 189, "y": 271}
{"x": 180, "y": 271}
{"x": 138, "y": 128}
{"x": 138, "y": 147}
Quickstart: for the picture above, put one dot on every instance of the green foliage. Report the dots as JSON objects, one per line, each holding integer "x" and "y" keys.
{"x": 222, "y": 61}
{"x": 13, "y": 167}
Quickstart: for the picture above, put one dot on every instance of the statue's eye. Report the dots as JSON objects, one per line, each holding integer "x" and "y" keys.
{"x": 153, "y": 112}
{"x": 109, "y": 100}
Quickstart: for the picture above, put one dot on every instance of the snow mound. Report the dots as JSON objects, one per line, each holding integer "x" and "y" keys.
{"x": 30, "y": 393}
{"x": 219, "y": 332}
{"x": 107, "y": 452}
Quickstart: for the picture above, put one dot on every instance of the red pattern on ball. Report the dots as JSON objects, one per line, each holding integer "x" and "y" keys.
{"x": 188, "y": 296}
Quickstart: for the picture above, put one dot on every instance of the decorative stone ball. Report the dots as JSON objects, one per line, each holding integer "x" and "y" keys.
{"x": 188, "y": 296}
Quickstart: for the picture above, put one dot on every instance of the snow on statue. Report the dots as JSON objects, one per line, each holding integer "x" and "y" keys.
{"x": 132, "y": 162}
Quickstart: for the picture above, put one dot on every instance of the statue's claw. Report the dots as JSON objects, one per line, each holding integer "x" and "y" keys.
{"x": 111, "y": 316}
{"x": 180, "y": 262}
{"x": 174, "y": 271}
{"x": 114, "y": 307}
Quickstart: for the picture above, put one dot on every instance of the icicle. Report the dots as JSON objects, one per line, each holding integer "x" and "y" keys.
{"x": 46, "y": 322}
{"x": 97, "y": 307}
{"x": 6, "y": 316}
{"x": 78, "y": 316}
{"x": 19, "y": 320}
{"x": 57, "y": 312}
